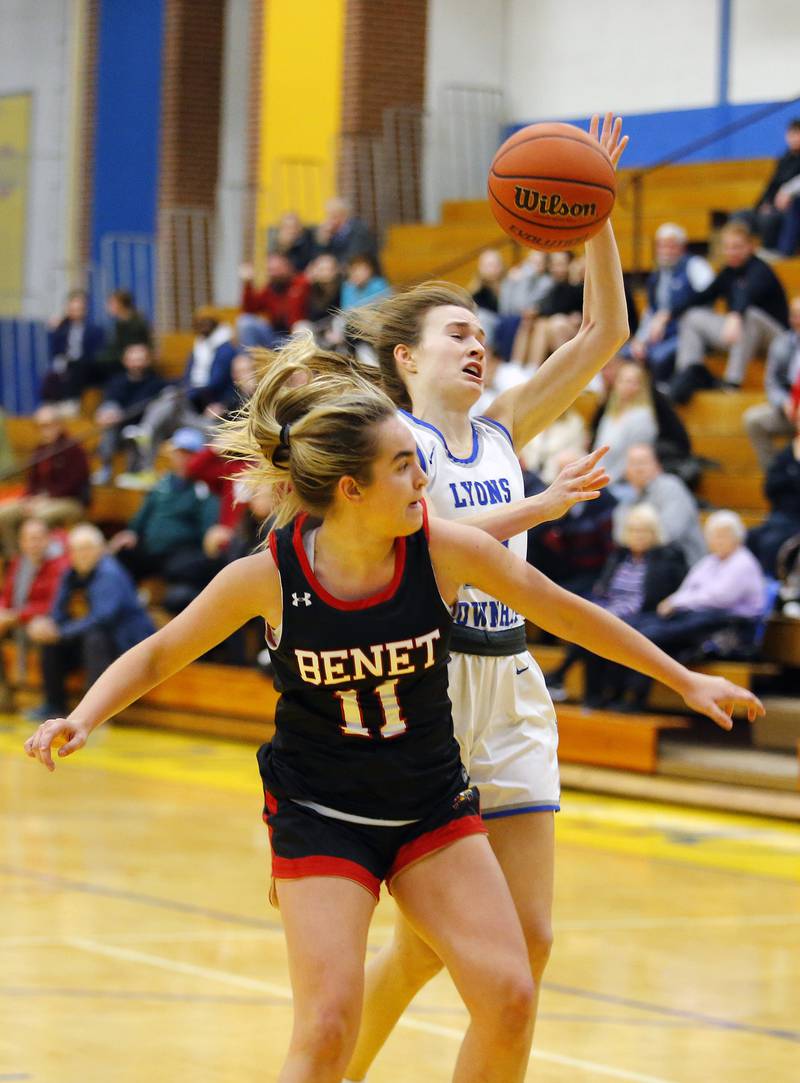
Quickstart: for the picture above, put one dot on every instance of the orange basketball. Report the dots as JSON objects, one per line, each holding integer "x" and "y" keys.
{"x": 551, "y": 186}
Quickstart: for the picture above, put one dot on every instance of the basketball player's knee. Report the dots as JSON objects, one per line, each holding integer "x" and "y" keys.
{"x": 539, "y": 940}
{"x": 328, "y": 1033}
{"x": 510, "y": 1003}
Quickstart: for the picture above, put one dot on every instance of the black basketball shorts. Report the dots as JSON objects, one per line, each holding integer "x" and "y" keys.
{"x": 305, "y": 842}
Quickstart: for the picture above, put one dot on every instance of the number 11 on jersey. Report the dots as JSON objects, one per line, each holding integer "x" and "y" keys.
{"x": 393, "y": 721}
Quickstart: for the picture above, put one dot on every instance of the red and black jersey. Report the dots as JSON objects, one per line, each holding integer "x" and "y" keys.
{"x": 364, "y": 723}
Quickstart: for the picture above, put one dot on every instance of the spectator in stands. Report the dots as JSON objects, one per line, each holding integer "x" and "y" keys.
{"x": 676, "y": 507}
{"x": 324, "y": 302}
{"x": 165, "y": 537}
{"x": 293, "y": 240}
{"x": 558, "y": 315}
{"x": 677, "y": 276}
{"x": 521, "y": 292}
{"x": 725, "y": 588}
{"x": 768, "y": 217}
{"x": 782, "y": 489}
{"x": 342, "y": 235}
{"x": 489, "y": 277}
{"x": 573, "y": 550}
{"x": 566, "y": 434}
{"x": 363, "y": 282}
{"x": 628, "y": 418}
{"x": 775, "y": 418}
{"x": 197, "y": 401}
{"x": 29, "y": 590}
{"x": 244, "y": 373}
{"x": 787, "y": 201}
{"x": 128, "y": 326}
{"x": 57, "y": 482}
{"x": 125, "y": 398}
{"x": 95, "y": 618}
{"x": 269, "y": 314}
{"x": 788, "y": 574}
{"x": 757, "y": 312}
{"x": 637, "y": 576}
{"x": 73, "y": 343}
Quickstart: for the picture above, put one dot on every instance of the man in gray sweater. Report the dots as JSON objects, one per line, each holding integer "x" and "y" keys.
{"x": 773, "y": 418}
{"x": 646, "y": 483}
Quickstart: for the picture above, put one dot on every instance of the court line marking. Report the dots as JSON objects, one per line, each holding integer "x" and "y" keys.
{"x": 242, "y": 981}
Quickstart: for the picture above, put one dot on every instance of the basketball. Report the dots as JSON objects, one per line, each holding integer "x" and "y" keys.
{"x": 551, "y": 186}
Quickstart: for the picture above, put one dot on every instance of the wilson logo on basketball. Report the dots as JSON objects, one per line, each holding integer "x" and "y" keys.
{"x": 553, "y": 206}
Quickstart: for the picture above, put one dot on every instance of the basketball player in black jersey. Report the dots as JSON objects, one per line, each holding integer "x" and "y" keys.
{"x": 362, "y": 779}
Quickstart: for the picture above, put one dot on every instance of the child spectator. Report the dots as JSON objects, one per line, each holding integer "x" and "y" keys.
{"x": 757, "y": 312}
{"x": 775, "y": 418}
{"x": 125, "y": 398}
{"x": 677, "y": 276}
{"x": 96, "y": 616}
{"x": 363, "y": 282}
{"x": 128, "y": 327}
{"x": 57, "y": 482}
{"x": 628, "y": 418}
{"x": 270, "y": 313}
{"x": 29, "y": 590}
{"x": 73, "y": 343}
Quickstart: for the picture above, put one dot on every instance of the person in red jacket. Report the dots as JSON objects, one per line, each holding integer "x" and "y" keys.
{"x": 269, "y": 314}
{"x": 57, "y": 482}
{"x": 29, "y": 589}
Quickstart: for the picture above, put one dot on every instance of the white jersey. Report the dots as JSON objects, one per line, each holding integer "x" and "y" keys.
{"x": 459, "y": 488}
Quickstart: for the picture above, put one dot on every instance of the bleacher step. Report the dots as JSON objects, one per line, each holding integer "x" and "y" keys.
{"x": 736, "y": 766}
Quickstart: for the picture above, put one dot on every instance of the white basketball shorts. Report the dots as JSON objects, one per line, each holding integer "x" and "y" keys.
{"x": 506, "y": 727}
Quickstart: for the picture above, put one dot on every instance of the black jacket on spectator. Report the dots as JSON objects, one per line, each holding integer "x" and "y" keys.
{"x": 132, "y": 396}
{"x": 787, "y": 168}
{"x": 488, "y": 298}
{"x": 754, "y": 283}
{"x": 782, "y": 484}
{"x": 560, "y": 299}
{"x": 91, "y": 340}
{"x": 300, "y": 253}
{"x": 323, "y": 300}
{"x": 666, "y": 569}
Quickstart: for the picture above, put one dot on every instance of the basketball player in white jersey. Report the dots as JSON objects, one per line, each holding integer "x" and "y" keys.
{"x": 430, "y": 347}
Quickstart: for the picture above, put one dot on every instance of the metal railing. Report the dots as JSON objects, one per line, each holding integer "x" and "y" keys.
{"x": 468, "y": 123}
{"x": 185, "y": 265}
{"x": 24, "y": 358}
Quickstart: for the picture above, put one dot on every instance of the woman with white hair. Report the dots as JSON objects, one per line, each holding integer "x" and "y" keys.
{"x": 725, "y": 588}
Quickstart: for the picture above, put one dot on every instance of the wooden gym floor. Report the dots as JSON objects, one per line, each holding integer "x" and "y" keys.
{"x": 137, "y": 946}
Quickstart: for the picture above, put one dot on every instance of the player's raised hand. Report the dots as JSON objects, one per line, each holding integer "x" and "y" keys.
{"x": 610, "y": 137}
{"x": 60, "y": 733}
{"x": 718, "y": 699}
{"x": 577, "y": 482}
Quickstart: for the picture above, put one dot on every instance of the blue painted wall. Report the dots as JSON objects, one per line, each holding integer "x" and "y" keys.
{"x": 656, "y": 135}
{"x": 130, "y": 39}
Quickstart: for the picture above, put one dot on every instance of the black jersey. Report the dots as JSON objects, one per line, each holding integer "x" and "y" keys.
{"x": 364, "y": 723}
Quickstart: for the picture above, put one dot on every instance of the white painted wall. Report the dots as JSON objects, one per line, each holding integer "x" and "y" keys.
{"x": 568, "y": 58}
{"x": 765, "y": 50}
{"x": 35, "y": 56}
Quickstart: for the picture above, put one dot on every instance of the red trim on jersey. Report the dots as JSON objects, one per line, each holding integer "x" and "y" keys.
{"x": 339, "y": 603}
{"x": 432, "y": 841}
{"x": 297, "y": 868}
{"x": 272, "y": 542}
{"x": 425, "y": 525}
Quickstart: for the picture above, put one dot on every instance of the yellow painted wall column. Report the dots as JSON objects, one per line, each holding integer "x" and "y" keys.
{"x": 300, "y": 120}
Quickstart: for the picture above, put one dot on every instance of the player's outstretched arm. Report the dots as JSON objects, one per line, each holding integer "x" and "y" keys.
{"x": 465, "y": 555}
{"x": 529, "y": 408}
{"x": 247, "y": 588}
{"x": 580, "y": 481}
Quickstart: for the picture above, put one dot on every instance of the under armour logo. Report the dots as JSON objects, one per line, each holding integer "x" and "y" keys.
{"x": 298, "y": 598}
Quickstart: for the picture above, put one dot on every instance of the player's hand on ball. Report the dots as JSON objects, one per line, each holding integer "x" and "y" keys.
{"x": 610, "y": 138}
{"x": 56, "y": 733}
{"x": 718, "y": 699}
